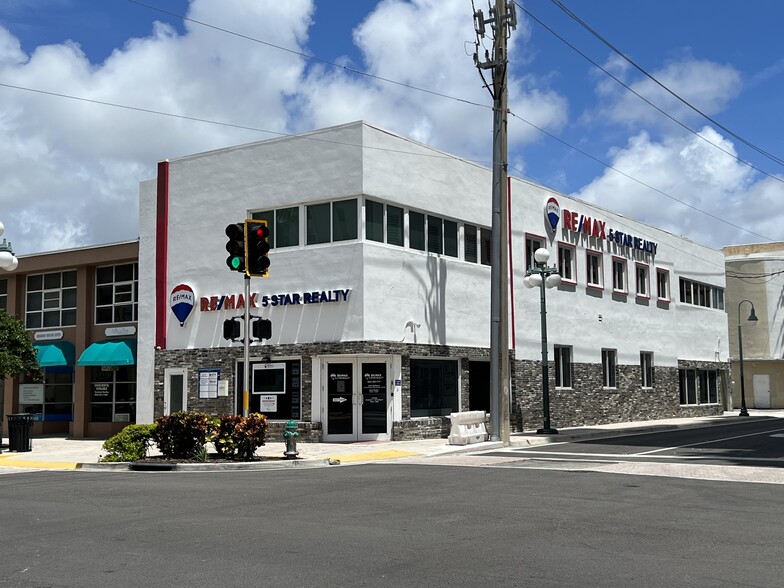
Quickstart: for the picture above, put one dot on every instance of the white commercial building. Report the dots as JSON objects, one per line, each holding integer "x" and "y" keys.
{"x": 379, "y": 294}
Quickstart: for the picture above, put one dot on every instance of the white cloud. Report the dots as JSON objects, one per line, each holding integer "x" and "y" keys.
{"x": 694, "y": 172}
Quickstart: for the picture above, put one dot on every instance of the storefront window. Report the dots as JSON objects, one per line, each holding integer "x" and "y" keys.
{"x": 275, "y": 388}
{"x": 50, "y": 400}
{"x": 434, "y": 387}
{"x": 113, "y": 394}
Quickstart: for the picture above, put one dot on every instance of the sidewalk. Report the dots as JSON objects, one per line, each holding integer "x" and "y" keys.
{"x": 53, "y": 453}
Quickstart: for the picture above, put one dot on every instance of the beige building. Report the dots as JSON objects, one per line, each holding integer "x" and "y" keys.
{"x": 80, "y": 308}
{"x": 755, "y": 278}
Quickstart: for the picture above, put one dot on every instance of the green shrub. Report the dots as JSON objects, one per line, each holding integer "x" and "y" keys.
{"x": 237, "y": 436}
{"x": 130, "y": 444}
{"x": 181, "y": 435}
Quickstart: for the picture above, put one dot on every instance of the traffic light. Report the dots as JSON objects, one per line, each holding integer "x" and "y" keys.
{"x": 236, "y": 247}
{"x": 257, "y": 248}
{"x": 262, "y": 329}
{"x": 231, "y": 329}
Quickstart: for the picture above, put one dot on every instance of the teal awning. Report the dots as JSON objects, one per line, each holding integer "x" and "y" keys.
{"x": 55, "y": 353}
{"x": 109, "y": 352}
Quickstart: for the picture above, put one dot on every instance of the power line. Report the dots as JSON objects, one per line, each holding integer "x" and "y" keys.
{"x": 587, "y": 27}
{"x": 641, "y": 97}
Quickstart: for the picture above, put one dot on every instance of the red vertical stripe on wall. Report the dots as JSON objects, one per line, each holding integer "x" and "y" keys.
{"x": 161, "y": 254}
{"x": 511, "y": 265}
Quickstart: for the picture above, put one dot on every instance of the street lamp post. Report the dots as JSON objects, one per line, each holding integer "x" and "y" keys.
{"x": 545, "y": 277}
{"x": 752, "y": 318}
{"x": 8, "y": 260}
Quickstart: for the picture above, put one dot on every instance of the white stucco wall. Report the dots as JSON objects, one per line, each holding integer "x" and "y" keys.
{"x": 393, "y": 288}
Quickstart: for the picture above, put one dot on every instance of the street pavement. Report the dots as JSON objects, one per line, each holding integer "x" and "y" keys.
{"x": 62, "y": 453}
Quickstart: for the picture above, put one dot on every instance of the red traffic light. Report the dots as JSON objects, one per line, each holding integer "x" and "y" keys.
{"x": 257, "y": 247}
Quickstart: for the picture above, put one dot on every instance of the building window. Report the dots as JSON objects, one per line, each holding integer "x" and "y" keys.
{"x": 619, "y": 275}
{"x": 344, "y": 220}
{"x": 116, "y": 293}
{"x": 435, "y": 234}
{"x": 283, "y": 225}
{"x": 700, "y": 294}
{"x": 317, "y": 217}
{"x": 450, "y": 238}
{"x": 594, "y": 268}
{"x": 663, "y": 285}
{"x": 487, "y": 246}
{"x": 698, "y": 386}
{"x": 434, "y": 388}
{"x": 51, "y": 300}
{"x": 566, "y": 263}
{"x": 374, "y": 221}
{"x": 563, "y": 366}
{"x": 470, "y": 247}
{"x": 3, "y": 294}
{"x": 56, "y": 395}
{"x": 394, "y": 225}
{"x": 609, "y": 368}
{"x": 646, "y": 368}
{"x": 416, "y": 230}
{"x": 532, "y": 243}
{"x": 331, "y": 221}
{"x": 113, "y": 394}
{"x": 643, "y": 288}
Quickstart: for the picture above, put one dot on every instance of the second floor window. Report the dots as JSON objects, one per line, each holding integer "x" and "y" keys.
{"x": 116, "y": 293}
{"x": 51, "y": 300}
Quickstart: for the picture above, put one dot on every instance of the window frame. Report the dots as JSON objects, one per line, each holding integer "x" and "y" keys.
{"x": 644, "y": 270}
{"x": 562, "y": 246}
{"x": 114, "y": 305}
{"x": 589, "y": 254}
{"x": 530, "y": 250}
{"x": 609, "y": 369}
{"x": 666, "y": 273}
{"x": 647, "y": 372}
{"x": 617, "y": 261}
{"x": 564, "y": 366}
{"x": 48, "y": 295}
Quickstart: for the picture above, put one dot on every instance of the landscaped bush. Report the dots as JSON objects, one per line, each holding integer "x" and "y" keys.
{"x": 182, "y": 435}
{"x": 130, "y": 444}
{"x": 238, "y": 437}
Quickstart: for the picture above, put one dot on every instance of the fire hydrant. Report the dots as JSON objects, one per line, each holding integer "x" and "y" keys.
{"x": 290, "y": 435}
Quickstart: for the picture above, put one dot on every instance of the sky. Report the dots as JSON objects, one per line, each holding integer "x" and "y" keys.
{"x": 686, "y": 134}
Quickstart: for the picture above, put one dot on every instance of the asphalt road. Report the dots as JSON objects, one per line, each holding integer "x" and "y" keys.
{"x": 386, "y": 525}
{"x": 757, "y": 443}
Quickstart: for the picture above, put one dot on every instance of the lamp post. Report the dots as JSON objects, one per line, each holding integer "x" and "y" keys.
{"x": 752, "y": 318}
{"x": 545, "y": 277}
{"x": 8, "y": 260}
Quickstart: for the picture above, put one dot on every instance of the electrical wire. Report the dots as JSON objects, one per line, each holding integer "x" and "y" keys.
{"x": 644, "y": 99}
{"x": 588, "y": 28}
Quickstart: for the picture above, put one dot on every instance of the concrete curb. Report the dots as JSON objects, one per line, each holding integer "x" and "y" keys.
{"x": 141, "y": 466}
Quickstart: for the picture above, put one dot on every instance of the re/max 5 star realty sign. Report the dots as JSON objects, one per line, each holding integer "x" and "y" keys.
{"x": 582, "y": 224}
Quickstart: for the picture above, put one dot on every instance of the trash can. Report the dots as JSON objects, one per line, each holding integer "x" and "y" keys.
{"x": 19, "y": 426}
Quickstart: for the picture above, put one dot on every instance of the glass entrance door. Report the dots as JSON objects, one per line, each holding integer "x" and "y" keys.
{"x": 357, "y": 399}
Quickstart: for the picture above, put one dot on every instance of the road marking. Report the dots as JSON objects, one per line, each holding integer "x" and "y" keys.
{"x": 706, "y": 442}
{"x": 374, "y": 455}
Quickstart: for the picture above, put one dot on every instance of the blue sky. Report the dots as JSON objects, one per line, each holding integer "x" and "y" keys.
{"x": 72, "y": 167}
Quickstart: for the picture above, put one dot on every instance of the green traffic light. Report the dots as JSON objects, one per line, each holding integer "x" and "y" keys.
{"x": 236, "y": 262}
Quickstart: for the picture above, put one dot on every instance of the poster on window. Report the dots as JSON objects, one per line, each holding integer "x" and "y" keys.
{"x": 31, "y": 393}
{"x": 269, "y": 403}
{"x": 208, "y": 382}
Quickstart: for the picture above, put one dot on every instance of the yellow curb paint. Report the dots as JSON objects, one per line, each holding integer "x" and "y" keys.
{"x": 38, "y": 465}
{"x": 374, "y": 455}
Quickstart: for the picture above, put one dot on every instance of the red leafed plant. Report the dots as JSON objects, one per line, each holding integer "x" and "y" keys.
{"x": 238, "y": 437}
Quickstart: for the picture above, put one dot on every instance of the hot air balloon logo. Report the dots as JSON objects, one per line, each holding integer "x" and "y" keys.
{"x": 181, "y": 302}
{"x": 552, "y": 211}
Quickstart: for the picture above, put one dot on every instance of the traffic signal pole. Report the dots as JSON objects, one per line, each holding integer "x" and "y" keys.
{"x": 246, "y": 357}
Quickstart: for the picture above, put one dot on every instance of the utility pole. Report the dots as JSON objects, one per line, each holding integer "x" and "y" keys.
{"x": 502, "y": 19}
